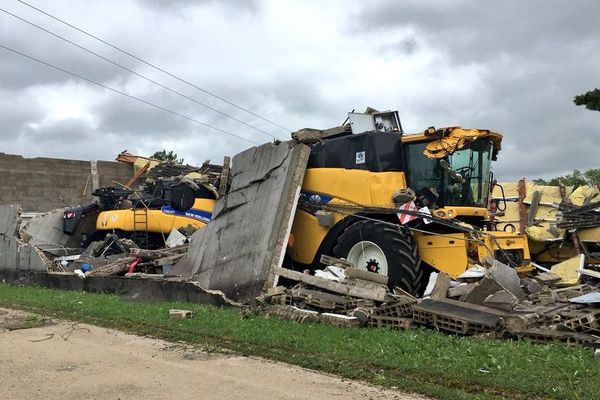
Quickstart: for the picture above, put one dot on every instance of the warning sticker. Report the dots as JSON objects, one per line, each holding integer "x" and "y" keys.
{"x": 360, "y": 157}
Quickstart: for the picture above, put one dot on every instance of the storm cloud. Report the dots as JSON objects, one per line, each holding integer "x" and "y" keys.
{"x": 510, "y": 66}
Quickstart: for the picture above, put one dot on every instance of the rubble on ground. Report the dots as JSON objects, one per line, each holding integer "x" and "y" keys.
{"x": 499, "y": 304}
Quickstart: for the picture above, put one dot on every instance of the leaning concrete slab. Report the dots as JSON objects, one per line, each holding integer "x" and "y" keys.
{"x": 9, "y": 220}
{"x": 239, "y": 249}
{"x": 46, "y": 232}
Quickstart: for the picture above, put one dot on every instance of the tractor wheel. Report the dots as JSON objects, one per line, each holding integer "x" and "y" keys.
{"x": 377, "y": 247}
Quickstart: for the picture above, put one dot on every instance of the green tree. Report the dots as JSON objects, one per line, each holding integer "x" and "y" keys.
{"x": 591, "y": 100}
{"x": 165, "y": 155}
{"x": 591, "y": 177}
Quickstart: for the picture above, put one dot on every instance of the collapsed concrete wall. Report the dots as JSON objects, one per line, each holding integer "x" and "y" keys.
{"x": 15, "y": 254}
{"x": 41, "y": 184}
{"x": 238, "y": 250}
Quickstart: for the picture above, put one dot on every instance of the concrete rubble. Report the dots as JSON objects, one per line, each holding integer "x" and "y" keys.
{"x": 500, "y": 304}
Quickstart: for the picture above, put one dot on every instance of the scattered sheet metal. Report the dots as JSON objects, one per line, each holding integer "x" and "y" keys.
{"x": 568, "y": 270}
{"x": 588, "y": 298}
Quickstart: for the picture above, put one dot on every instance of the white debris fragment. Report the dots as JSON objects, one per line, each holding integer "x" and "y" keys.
{"x": 332, "y": 273}
{"x": 474, "y": 272}
{"x": 430, "y": 284}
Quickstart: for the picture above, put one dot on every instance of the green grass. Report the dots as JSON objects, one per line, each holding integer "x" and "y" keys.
{"x": 418, "y": 360}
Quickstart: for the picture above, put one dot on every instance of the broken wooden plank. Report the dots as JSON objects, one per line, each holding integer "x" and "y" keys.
{"x": 225, "y": 176}
{"x": 159, "y": 253}
{"x": 138, "y": 174}
{"x": 310, "y": 135}
{"x": 170, "y": 260}
{"x": 460, "y": 291}
{"x": 332, "y": 286}
{"x": 535, "y": 203}
{"x": 112, "y": 268}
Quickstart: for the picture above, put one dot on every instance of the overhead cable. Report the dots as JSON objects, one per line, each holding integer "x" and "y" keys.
{"x": 126, "y": 94}
{"x": 134, "y": 72}
{"x": 148, "y": 63}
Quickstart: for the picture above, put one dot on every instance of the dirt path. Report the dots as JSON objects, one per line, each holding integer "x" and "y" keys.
{"x": 98, "y": 363}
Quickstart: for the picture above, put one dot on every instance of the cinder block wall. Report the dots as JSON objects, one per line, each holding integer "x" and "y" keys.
{"x": 42, "y": 184}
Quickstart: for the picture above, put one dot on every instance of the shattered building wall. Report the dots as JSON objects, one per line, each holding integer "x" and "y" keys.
{"x": 42, "y": 184}
{"x": 238, "y": 250}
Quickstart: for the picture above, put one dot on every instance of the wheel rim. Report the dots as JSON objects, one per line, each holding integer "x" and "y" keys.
{"x": 368, "y": 256}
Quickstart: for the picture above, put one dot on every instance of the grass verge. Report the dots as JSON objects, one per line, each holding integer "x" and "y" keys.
{"x": 418, "y": 360}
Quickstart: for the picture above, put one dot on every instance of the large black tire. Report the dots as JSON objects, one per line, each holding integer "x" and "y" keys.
{"x": 401, "y": 253}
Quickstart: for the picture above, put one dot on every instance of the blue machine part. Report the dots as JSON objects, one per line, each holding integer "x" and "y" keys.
{"x": 315, "y": 198}
{"x": 203, "y": 216}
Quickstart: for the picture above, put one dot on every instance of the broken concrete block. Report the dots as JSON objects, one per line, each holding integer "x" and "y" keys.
{"x": 502, "y": 300}
{"x": 547, "y": 278}
{"x": 291, "y": 313}
{"x": 461, "y": 290}
{"x": 498, "y": 277}
{"x": 373, "y": 292}
{"x": 442, "y": 284}
{"x": 397, "y": 323}
{"x": 457, "y": 317}
{"x": 531, "y": 286}
{"x": 520, "y": 322}
{"x": 180, "y": 314}
{"x": 318, "y": 299}
{"x": 366, "y": 275}
{"x": 505, "y": 276}
{"x": 340, "y": 320}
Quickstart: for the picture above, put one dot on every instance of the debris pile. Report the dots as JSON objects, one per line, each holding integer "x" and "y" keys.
{"x": 492, "y": 301}
{"x": 560, "y": 222}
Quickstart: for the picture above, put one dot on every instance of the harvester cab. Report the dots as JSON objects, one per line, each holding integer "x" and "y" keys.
{"x": 400, "y": 204}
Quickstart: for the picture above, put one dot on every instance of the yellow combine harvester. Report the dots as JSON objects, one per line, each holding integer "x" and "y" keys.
{"x": 356, "y": 202}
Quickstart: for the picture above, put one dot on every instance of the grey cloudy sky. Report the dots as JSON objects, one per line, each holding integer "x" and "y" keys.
{"x": 510, "y": 66}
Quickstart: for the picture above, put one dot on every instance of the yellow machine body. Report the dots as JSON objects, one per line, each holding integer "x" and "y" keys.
{"x": 452, "y": 253}
{"x": 162, "y": 220}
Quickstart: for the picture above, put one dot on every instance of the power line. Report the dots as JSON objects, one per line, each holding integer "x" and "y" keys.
{"x": 126, "y": 94}
{"x": 153, "y": 66}
{"x": 133, "y": 72}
